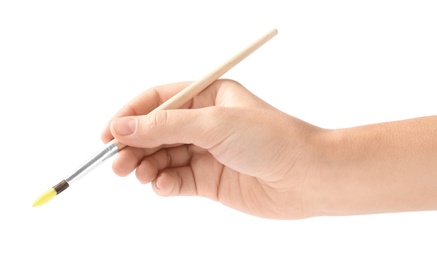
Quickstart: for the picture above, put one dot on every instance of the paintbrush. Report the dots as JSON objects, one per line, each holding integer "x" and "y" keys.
{"x": 114, "y": 146}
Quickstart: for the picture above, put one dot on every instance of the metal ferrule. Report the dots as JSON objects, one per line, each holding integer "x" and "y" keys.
{"x": 102, "y": 155}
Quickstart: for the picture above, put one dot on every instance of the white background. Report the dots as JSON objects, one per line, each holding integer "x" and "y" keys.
{"x": 67, "y": 66}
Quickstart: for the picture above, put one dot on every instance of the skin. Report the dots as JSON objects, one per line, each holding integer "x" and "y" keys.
{"x": 228, "y": 145}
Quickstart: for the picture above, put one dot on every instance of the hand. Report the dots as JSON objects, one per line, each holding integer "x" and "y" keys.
{"x": 230, "y": 146}
{"x": 226, "y": 144}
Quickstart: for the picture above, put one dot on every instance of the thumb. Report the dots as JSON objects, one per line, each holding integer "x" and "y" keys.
{"x": 204, "y": 127}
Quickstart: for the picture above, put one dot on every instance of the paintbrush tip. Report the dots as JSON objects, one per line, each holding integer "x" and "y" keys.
{"x": 45, "y": 197}
{"x": 51, "y": 193}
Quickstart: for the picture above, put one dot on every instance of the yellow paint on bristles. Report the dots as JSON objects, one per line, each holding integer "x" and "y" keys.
{"x": 45, "y": 197}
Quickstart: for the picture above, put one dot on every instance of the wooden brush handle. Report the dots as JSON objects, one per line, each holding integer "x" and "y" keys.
{"x": 197, "y": 86}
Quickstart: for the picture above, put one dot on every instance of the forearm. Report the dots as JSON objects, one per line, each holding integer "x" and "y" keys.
{"x": 386, "y": 167}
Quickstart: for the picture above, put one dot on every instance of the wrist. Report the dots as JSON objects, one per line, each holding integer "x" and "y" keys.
{"x": 327, "y": 180}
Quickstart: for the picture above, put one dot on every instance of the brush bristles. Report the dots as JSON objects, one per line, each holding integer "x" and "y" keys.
{"x": 51, "y": 193}
{"x": 45, "y": 197}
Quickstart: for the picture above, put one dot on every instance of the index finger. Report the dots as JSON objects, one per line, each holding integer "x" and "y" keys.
{"x": 145, "y": 103}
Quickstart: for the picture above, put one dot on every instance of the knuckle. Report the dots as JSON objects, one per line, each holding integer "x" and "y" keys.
{"x": 158, "y": 119}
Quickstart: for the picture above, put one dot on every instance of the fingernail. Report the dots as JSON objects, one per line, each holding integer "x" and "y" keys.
{"x": 124, "y": 126}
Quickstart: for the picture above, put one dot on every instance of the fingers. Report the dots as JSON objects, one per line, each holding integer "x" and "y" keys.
{"x": 144, "y": 103}
{"x": 221, "y": 92}
{"x": 128, "y": 159}
{"x": 170, "y": 171}
{"x": 204, "y": 127}
{"x": 181, "y": 171}
{"x": 165, "y": 158}
{"x": 176, "y": 182}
